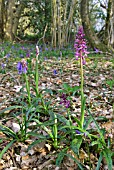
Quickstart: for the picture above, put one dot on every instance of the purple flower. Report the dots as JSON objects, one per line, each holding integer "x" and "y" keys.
{"x": 78, "y": 132}
{"x": 28, "y": 54}
{"x": 7, "y": 55}
{"x": 55, "y": 72}
{"x": 22, "y": 67}
{"x": 3, "y": 65}
{"x": 64, "y": 101}
{"x": 21, "y": 55}
{"x": 46, "y": 49}
{"x": 96, "y": 50}
{"x": 80, "y": 45}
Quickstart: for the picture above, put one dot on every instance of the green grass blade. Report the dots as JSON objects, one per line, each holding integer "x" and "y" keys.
{"x": 6, "y": 148}
{"x": 60, "y": 156}
{"x": 34, "y": 143}
{"x": 10, "y": 108}
{"x": 76, "y": 143}
{"x": 99, "y": 161}
{"x": 7, "y": 131}
{"x": 77, "y": 162}
{"x": 102, "y": 137}
{"x": 108, "y": 155}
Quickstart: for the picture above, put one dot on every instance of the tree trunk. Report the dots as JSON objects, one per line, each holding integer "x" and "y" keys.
{"x": 59, "y": 23}
{"x": 89, "y": 32}
{"x": 1, "y": 20}
{"x": 54, "y": 25}
{"x": 112, "y": 26}
{"x": 65, "y": 7}
{"x": 107, "y": 24}
{"x": 9, "y": 23}
{"x": 17, "y": 15}
{"x": 70, "y": 20}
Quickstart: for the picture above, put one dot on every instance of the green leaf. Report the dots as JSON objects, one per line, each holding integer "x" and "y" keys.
{"x": 108, "y": 155}
{"x": 101, "y": 135}
{"x": 60, "y": 156}
{"x": 34, "y": 143}
{"x": 6, "y": 148}
{"x": 78, "y": 121}
{"x": 10, "y": 108}
{"x": 66, "y": 86}
{"x": 76, "y": 143}
{"x": 37, "y": 135}
{"x": 62, "y": 119}
{"x": 87, "y": 123}
{"x": 77, "y": 162}
{"x": 99, "y": 161}
{"x": 8, "y": 131}
{"x": 94, "y": 143}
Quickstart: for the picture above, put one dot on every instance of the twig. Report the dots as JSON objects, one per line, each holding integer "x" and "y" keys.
{"x": 42, "y": 36}
{"x": 15, "y": 80}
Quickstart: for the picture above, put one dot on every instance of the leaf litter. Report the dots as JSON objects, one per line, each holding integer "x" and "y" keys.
{"x": 53, "y": 74}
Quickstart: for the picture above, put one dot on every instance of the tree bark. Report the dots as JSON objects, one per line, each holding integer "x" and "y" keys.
{"x": 54, "y": 25}
{"x": 107, "y": 23}
{"x": 9, "y": 23}
{"x": 89, "y": 32}
{"x": 112, "y": 26}
{"x": 17, "y": 15}
{"x": 59, "y": 23}
{"x": 1, "y": 20}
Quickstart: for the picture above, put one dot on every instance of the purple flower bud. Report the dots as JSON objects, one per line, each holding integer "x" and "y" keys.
{"x": 80, "y": 45}
{"x": 37, "y": 51}
{"x": 78, "y": 132}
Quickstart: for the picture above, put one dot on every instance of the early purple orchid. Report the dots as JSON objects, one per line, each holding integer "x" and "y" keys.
{"x": 80, "y": 45}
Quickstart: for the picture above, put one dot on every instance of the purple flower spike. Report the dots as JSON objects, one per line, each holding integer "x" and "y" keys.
{"x": 80, "y": 45}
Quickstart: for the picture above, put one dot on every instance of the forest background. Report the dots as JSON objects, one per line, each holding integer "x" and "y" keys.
{"x": 57, "y": 21}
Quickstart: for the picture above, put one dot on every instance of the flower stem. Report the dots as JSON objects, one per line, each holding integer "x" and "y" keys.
{"x": 82, "y": 92}
{"x": 28, "y": 89}
{"x": 55, "y": 132}
{"x": 36, "y": 77}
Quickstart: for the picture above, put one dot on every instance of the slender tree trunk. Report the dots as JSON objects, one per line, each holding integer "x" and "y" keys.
{"x": 70, "y": 20}
{"x": 59, "y": 23}
{"x": 54, "y": 26}
{"x": 17, "y": 15}
{"x": 112, "y": 26}
{"x": 65, "y": 7}
{"x": 1, "y": 20}
{"x": 107, "y": 24}
{"x": 10, "y": 19}
{"x": 89, "y": 32}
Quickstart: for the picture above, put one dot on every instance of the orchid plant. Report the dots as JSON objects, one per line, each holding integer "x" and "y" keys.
{"x": 81, "y": 52}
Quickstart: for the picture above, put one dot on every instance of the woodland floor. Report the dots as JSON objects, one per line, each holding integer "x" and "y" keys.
{"x": 100, "y": 98}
